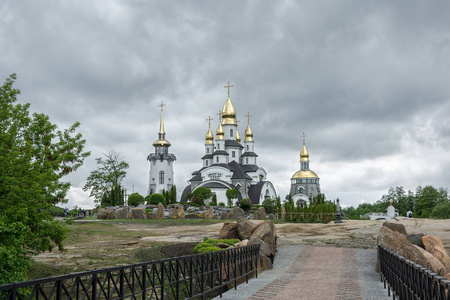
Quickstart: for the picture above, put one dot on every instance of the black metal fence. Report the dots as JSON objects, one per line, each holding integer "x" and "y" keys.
{"x": 409, "y": 280}
{"x": 185, "y": 277}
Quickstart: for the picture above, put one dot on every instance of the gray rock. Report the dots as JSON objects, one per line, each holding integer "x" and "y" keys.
{"x": 236, "y": 213}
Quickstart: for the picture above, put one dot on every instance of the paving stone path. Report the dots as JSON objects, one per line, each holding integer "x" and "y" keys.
{"x": 306, "y": 272}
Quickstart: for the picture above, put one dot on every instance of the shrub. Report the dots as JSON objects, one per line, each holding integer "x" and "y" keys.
{"x": 148, "y": 210}
{"x": 221, "y": 204}
{"x": 441, "y": 211}
{"x": 270, "y": 205}
{"x": 245, "y": 204}
{"x": 135, "y": 199}
{"x": 198, "y": 201}
{"x": 157, "y": 198}
{"x": 214, "y": 200}
{"x": 210, "y": 245}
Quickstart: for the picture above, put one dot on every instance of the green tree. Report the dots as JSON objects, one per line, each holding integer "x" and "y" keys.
{"x": 105, "y": 183}
{"x": 441, "y": 211}
{"x": 231, "y": 194}
{"x": 245, "y": 204}
{"x": 173, "y": 194}
{"x": 270, "y": 205}
{"x": 157, "y": 198}
{"x": 202, "y": 193}
{"x": 214, "y": 200}
{"x": 135, "y": 199}
{"x": 426, "y": 201}
{"x": 34, "y": 156}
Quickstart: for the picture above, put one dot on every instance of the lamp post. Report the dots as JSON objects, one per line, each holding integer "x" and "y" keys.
{"x": 338, "y": 212}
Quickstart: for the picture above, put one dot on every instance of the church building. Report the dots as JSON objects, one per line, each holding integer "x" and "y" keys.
{"x": 161, "y": 162}
{"x": 305, "y": 182}
{"x": 229, "y": 164}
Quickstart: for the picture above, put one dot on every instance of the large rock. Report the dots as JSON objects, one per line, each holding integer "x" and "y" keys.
{"x": 434, "y": 245}
{"x": 396, "y": 227}
{"x": 160, "y": 212}
{"x": 121, "y": 213}
{"x": 138, "y": 213}
{"x": 435, "y": 265}
{"x": 272, "y": 217}
{"x": 176, "y": 213}
{"x": 151, "y": 216}
{"x": 244, "y": 228}
{"x": 264, "y": 248}
{"x": 260, "y": 214}
{"x": 266, "y": 232}
{"x": 416, "y": 239}
{"x": 236, "y": 213}
{"x": 106, "y": 213}
{"x": 224, "y": 216}
{"x": 265, "y": 262}
{"x": 399, "y": 243}
{"x": 283, "y": 213}
{"x": 228, "y": 231}
{"x": 208, "y": 214}
{"x": 101, "y": 213}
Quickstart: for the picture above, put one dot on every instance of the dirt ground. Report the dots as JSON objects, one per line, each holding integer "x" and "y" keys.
{"x": 96, "y": 244}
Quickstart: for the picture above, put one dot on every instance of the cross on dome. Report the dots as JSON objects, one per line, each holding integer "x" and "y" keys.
{"x": 209, "y": 121}
{"x": 161, "y": 105}
{"x": 228, "y": 86}
{"x": 220, "y": 116}
{"x": 248, "y": 118}
{"x": 304, "y": 136}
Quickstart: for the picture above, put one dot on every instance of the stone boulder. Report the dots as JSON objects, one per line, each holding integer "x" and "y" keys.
{"x": 244, "y": 228}
{"x": 228, "y": 231}
{"x": 260, "y": 214}
{"x": 138, "y": 213}
{"x": 434, "y": 245}
{"x": 264, "y": 248}
{"x": 416, "y": 239}
{"x": 151, "y": 216}
{"x": 241, "y": 243}
{"x": 160, "y": 212}
{"x": 283, "y": 213}
{"x": 177, "y": 213}
{"x": 399, "y": 243}
{"x": 396, "y": 227}
{"x": 208, "y": 214}
{"x": 236, "y": 213}
{"x": 272, "y": 217}
{"x": 101, "y": 213}
{"x": 435, "y": 265}
{"x": 266, "y": 232}
{"x": 265, "y": 262}
{"x": 224, "y": 216}
{"x": 121, "y": 213}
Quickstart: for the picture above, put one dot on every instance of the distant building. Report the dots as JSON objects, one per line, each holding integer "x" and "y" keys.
{"x": 161, "y": 162}
{"x": 305, "y": 182}
{"x": 227, "y": 164}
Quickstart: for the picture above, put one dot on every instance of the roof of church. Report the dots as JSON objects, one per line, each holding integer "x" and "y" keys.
{"x": 305, "y": 174}
{"x": 233, "y": 143}
{"x": 207, "y": 156}
{"x": 255, "y": 191}
{"x": 249, "y": 153}
{"x": 250, "y": 168}
{"x": 221, "y": 152}
{"x": 239, "y": 172}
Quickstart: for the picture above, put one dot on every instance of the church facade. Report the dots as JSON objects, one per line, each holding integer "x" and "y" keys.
{"x": 229, "y": 164}
{"x": 161, "y": 162}
{"x": 305, "y": 183}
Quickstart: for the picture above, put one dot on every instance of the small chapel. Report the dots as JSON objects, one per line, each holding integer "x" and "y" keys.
{"x": 230, "y": 164}
{"x": 161, "y": 162}
{"x": 305, "y": 182}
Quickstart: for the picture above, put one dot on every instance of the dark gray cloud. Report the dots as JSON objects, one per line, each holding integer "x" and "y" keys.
{"x": 367, "y": 82}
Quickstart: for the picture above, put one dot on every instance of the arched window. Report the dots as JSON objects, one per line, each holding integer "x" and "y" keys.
{"x": 246, "y": 160}
{"x": 206, "y": 163}
{"x": 161, "y": 177}
{"x": 207, "y": 150}
{"x": 231, "y": 132}
{"x": 247, "y": 147}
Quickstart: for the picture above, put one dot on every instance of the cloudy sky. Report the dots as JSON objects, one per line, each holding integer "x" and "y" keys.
{"x": 367, "y": 81}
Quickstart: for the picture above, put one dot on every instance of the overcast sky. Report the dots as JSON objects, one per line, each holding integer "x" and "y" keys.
{"x": 367, "y": 81}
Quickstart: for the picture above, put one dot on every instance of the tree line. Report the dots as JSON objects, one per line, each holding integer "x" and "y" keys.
{"x": 425, "y": 202}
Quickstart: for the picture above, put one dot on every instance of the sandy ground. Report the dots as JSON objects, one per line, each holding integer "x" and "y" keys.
{"x": 98, "y": 250}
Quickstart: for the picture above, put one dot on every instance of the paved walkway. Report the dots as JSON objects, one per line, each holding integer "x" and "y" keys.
{"x": 306, "y": 272}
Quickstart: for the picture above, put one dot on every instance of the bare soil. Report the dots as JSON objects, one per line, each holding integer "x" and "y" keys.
{"x": 96, "y": 244}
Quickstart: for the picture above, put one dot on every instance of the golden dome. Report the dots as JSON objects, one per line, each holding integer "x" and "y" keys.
{"x": 220, "y": 133}
{"x": 228, "y": 113}
{"x": 248, "y": 134}
{"x": 238, "y": 137}
{"x": 304, "y": 155}
{"x": 304, "y": 174}
{"x": 161, "y": 142}
{"x": 209, "y": 139}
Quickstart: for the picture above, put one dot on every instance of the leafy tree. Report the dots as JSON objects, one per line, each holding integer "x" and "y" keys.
{"x": 202, "y": 193}
{"x": 156, "y": 198}
{"x": 105, "y": 183}
{"x": 426, "y": 201}
{"x": 197, "y": 200}
{"x": 214, "y": 200}
{"x": 135, "y": 199}
{"x": 231, "y": 194}
{"x": 34, "y": 156}
{"x": 173, "y": 194}
{"x": 270, "y": 205}
{"x": 441, "y": 211}
{"x": 245, "y": 204}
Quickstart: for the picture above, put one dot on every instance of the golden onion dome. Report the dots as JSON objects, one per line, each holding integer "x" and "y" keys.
{"x": 228, "y": 113}
{"x": 220, "y": 133}
{"x": 248, "y": 134}
{"x": 161, "y": 142}
{"x": 304, "y": 174}
{"x": 304, "y": 155}
{"x": 209, "y": 139}
{"x": 238, "y": 137}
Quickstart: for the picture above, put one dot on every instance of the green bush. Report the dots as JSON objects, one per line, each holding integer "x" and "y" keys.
{"x": 197, "y": 200}
{"x": 135, "y": 199}
{"x": 147, "y": 210}
{"x": 55, "y": 211}
{"x": 441, "y": 211}
{"x": 270, "y": 205}
{"x": 221, "y": 204}
{"x": 245, "y": 204}
{"x": 157, "y": 198}
{"x": 209, "y": 245}
{"x": 213, "y": 201}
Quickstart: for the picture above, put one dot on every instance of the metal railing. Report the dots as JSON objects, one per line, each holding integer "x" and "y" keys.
{"x": 185, "y": 277}
{"x": 409, "y": 280}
